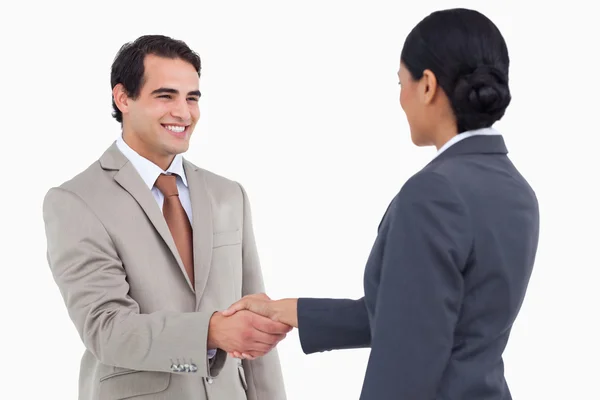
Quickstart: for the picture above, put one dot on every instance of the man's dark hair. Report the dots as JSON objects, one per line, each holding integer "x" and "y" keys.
{"x": 128, "y": 66}
{"x": 468, "y": 55}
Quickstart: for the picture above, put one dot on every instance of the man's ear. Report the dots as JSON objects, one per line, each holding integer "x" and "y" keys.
{"x": 429, "y": 86}
{"x": 120, "y": 97}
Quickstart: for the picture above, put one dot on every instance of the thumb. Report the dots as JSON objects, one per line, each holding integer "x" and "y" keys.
{"x": 235, "y": 307}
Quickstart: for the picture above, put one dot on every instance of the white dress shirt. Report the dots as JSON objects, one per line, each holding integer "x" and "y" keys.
{"x": 150, "y": 172}
{"x": 464, "y": 135}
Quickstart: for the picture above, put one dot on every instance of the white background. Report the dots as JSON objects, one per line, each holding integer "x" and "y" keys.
{"x": 300, "y": 104}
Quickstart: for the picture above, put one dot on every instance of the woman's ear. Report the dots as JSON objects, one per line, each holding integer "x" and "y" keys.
{"x": 428, "y": 86}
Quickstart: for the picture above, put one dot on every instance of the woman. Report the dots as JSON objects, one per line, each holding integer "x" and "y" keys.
{"x": 455, "y": 248}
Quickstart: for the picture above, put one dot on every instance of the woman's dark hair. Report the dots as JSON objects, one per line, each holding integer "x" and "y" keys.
{"x": 128, "y": 66}
{"x": 469, "y": 57}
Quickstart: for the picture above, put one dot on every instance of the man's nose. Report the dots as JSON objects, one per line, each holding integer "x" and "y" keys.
{"x": 181, "y": 111}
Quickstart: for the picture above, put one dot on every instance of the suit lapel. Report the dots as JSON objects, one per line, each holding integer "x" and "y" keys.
{"x": 130, "y": 180}
{"x": 201, "y": 226}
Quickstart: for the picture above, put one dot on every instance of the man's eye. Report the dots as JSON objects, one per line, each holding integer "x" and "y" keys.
{"x": 164, "y": 96}
{"x": 193, "y": 98}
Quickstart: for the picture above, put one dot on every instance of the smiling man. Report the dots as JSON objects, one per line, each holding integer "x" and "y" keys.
{"x": 146, "y": 248}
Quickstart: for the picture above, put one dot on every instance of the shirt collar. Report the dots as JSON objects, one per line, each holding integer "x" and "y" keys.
{"x": 147, "y": 169}
{"x": 465, "y": 135}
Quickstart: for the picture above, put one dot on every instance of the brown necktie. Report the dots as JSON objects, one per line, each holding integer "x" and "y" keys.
{"x": 178, "y": 221}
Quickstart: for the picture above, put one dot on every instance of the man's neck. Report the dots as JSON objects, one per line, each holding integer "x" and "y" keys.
{"x": 162, "y": 161}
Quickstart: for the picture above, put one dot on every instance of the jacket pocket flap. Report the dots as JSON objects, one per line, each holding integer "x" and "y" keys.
{"x": 124, "y": 385}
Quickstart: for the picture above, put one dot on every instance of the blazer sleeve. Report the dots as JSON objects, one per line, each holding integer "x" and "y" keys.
{"x": 93, "y": 283}
{"x": 428, "y": 239}
{"x": 264, "y": 377}
{"x": 332, "y": 324}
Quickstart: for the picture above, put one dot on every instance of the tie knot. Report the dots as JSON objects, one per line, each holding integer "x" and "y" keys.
{"x": 167, "y": 184}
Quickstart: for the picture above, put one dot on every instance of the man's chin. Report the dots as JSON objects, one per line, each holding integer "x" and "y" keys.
{"x": 176, "y": 145}
{"x": 180, "y": 149}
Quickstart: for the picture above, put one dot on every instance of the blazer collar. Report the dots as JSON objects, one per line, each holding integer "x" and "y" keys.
{"x": 113, "y": 159}
{"x": 480, "y": 144}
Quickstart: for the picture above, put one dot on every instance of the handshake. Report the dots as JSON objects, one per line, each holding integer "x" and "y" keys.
{"x": 252, "y": 326}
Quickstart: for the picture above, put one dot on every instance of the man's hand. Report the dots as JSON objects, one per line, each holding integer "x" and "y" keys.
{"x": 247, "y": 333}
{"x": 281, "y": 311}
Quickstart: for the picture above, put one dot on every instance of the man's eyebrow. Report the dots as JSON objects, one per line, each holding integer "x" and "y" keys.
{"x": 165, "y": 90}
{"x": 174, "y": 91}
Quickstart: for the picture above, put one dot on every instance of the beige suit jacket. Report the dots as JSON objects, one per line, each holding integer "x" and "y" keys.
{"x": 125, "y": 288}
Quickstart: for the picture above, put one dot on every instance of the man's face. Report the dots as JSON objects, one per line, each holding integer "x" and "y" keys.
{"x": 159, "y": 123}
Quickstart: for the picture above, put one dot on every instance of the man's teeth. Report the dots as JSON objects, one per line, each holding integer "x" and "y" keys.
{"x": 176, "y": 129}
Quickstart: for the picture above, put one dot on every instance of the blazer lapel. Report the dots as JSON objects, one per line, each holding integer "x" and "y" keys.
{"x": 130, "y": 180}
{"x": 201, "y": 226}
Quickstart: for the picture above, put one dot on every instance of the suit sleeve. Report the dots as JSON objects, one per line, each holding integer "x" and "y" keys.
{"x": 428, "y": 239}
{"x": 332, "y": 324}
{"x": 263, "y": 375}
{"x": 93, "y": 283}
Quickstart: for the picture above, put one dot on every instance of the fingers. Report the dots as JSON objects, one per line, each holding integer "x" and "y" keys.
{"x": 266, "y": 339}
{"x": 245, "y": 356}
{"x": 260, "y": 344}
{"x": 235, "y": 307}
{"x": 266, "y": 325}
{"x": 247, "y": 303}
{"x": 251, "y": 356}
{"x": 260, "y": 341}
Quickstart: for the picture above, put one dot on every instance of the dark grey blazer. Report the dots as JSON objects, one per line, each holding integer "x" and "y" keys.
{"x": 444, "y": 281}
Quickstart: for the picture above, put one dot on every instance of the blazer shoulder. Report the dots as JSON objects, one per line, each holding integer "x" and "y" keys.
{"x": 447, "y": 167}
{"x": 214, "y": 179}
{"x": 219, "y": 186}
{"x": 427, "y": 181}
{"x": 425, "y": 186}
{"x": 84, "y": 188}
{"x": 85, "y": 182}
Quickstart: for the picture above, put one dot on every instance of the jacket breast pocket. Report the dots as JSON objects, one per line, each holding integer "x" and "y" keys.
{"x": 227, "y": 238}
{"x": 227, "y": 264}
{"x": 126, "y": 384}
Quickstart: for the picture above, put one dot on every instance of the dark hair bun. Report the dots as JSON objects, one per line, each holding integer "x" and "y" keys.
{"x": 480, "y": 98}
